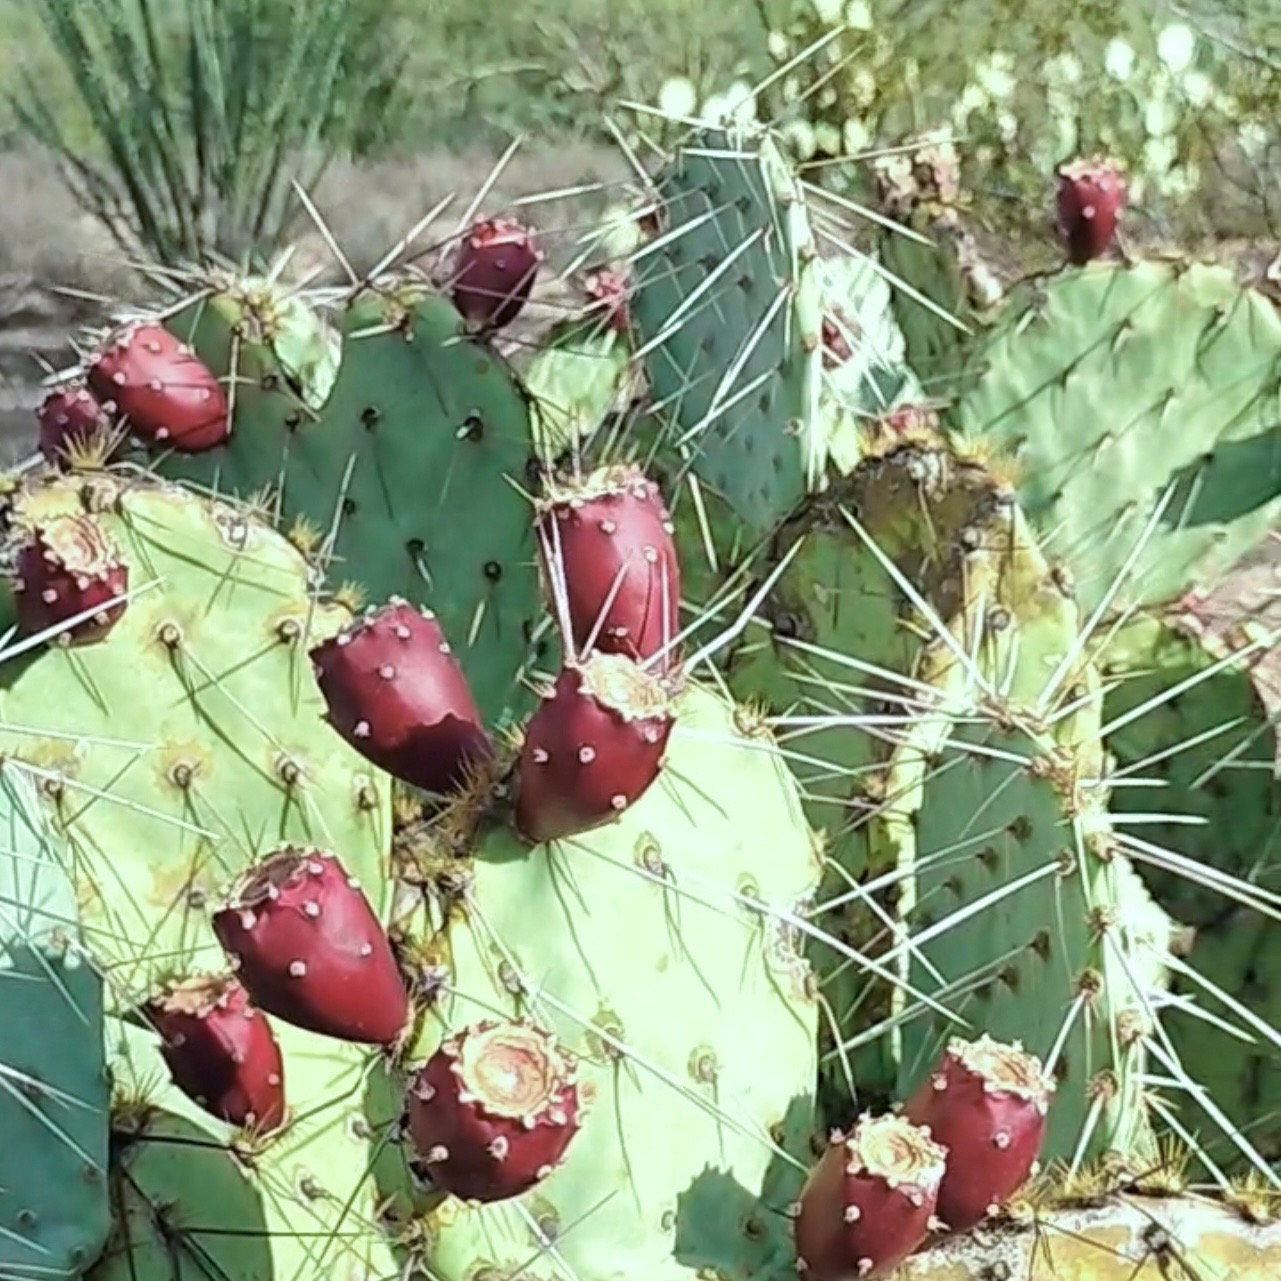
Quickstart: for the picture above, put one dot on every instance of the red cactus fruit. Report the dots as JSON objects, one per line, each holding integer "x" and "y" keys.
{"x": 836, "y": 348}
{"x": 72, "y": 419}
{"x": 592, "y": 748}
{"x": 396, "y": 693}
{"x": 986, "y": 1103}
{"x": 609, "y": 560}
{"x": 221, "y": 1051}
{"x": 1091, "y": 197}
{"x": 493, "y": 1110}
{"x": 67, "y": 565}
{"x": 609, "y": 292}
{"x": 308, "y": 948}
{"x": 494, "y": 272}
{"x": 869, "y": 1202}
{"x": 169, "y": 396}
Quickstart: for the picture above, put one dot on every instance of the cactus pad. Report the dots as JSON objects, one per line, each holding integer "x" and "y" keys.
{"x": 1118, "y": 389}
{"x": 191, "y": 739}
{"x": 53, "y": 1080}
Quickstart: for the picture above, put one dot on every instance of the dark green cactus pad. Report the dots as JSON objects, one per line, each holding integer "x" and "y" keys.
{"x": 697, "y": 1037}
{"x": 54, "y": 1214}
{"x": 407, "y": 478}
{"x": 1113, "y": 386}
{"x": 728, "y": 310}
{"x": 192, "y": 739}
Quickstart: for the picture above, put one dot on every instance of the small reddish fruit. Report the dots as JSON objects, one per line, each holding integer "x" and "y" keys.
{"x": 869, "y": 1202}
{"x": 1091, "y": 198}
{"x": 609, "y": 559}
{"x": 493, "y": 1110}
{"x": 169, "y": 396}
{"x": 73, "y": 421}
{"x": 592, "y": 748}
{"x": 608, "y": 292}
{"x": 494, "y": 272}
{"x": 220, "y": 1051}
{"x": 836, "y": 347}
{"x": 396, "y": 693}
{"x": 67, "y": 565}
{"x": 308, "y": 948}
{"x": 986, "y": 1103}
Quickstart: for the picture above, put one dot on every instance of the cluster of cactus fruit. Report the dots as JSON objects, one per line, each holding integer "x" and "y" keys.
{"x": 512, "y": 929}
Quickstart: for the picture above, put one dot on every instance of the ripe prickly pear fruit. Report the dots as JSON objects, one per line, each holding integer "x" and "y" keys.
{"x": 67, "y": 565}
{"x": 1091, "y": 197}
{"x": 592, "y": 748}
{"x": 494, "y": 272}
{"x": 169, "y": 396}
{"x": 869, "y": 1202}
{"x": 308, "y": 948}
{"x": 396, "y": 693}
{"x": 221, "y": 1051}
{"x": 493, "y": 1110}
{"x": 986, "y": 1103}
{"x": 609, "y": 561}
{"x": 71, "y": 417}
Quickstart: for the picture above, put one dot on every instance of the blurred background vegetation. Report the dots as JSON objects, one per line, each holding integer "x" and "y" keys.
{"x": 180, "y": 123}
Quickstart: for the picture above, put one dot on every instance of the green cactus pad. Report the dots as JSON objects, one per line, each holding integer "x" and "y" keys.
{"x": 54, "y": 1214}
{"x": 581, "y": 375}
{"x": 192, "y": 738}
{"x": 194, "y": 1200}
{"x": 1111, "y": 386}
{"x": 697, "y": 1036}
{"x": 407, "y": 477}
{"x": 1201, "y": 729}
{"x": 734, "y": 359}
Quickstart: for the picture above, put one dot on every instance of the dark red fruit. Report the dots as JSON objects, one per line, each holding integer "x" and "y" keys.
{"x": 869, "y": 1202}
{"x": 609, "y": 292}
{"x": 494, "y": 272}
{"x": 73, "y": 420}
{"x": 1091, "y": 198}
{"x": 308, "y": 948}
{"x": 609, "y": 559}
{"x": 493, "y": 1110}
{"x": 986, "y": 1103}
{"x": 396, "y": 693}
{"x": 68, "y": 564}
{"x": 592, "y": 748}
{"x": 169, "y": 396}
{"x": 220, "y": 1051}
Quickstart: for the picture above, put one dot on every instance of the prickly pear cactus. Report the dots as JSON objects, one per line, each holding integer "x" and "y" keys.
{"x": 192, "y": 1198}
{"x": 385, "y": 470}
{"x": 703, "y": 1026}
{"x": 53, "y": 1082}
{"x": 1137, "y": 396}
{"x": 728, "y": 312}
{"x": 190, "y": 739}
